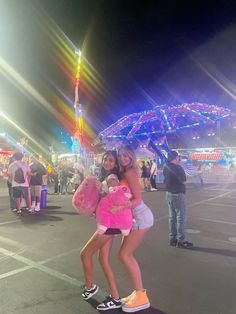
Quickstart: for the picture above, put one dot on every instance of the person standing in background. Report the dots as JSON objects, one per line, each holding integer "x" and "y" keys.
{"x": 153, "y": 175}
{"x": 19, "y": 174}
{"x": 148, "y": 165}
{"x": 10, "y": 190}
{"x": 36, "y": 181}
{"x": 144, "y": 175}
{"x": 175, "y": 178}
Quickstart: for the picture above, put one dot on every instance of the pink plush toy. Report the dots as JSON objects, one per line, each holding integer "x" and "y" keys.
{"x": 118, "y": 195}
{"x": 86, "y": 197}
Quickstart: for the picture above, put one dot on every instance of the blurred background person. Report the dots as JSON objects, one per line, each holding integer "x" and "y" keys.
{"x": 19, "y": 175}
{"x": 153, "y": 175}
{"x": 36, "y": 181}
{"x": 10, "y": 190}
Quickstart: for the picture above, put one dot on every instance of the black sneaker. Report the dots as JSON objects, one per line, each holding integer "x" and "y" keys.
{"x": 184, "y": 244}
{"x": 88, "y": 293}
{"x": 173, "y": 242}
{"x": 109, "y": 304}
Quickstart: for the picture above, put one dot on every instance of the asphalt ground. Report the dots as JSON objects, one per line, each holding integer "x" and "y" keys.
{"x": 41, "y": 271}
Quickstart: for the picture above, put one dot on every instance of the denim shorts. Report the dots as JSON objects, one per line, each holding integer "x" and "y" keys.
{"x": 19, "y": 191}
{"x": 143, "y": 217}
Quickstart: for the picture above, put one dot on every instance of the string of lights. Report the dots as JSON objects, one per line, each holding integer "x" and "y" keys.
{"x": 165, "y": 119}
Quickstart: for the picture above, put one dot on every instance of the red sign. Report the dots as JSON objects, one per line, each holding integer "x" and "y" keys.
{"x": 205, "y": 156}
{"x": 5, "y": 152}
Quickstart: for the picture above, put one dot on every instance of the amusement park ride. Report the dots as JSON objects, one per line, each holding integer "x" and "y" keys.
{"x": 151, "y": 128}
{"x": 78, "y": 135}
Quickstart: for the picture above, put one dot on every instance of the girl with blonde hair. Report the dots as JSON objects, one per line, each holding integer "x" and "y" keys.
{"x": 143, "y": 221}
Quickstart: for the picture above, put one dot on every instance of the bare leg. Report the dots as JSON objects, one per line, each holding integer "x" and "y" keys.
{"x": 104, "y": 259}
{"x": 18, "y": 202}
{"x": 144, "y": 184}
{"x": 39, "y": 198}
{"x": 129, "y": 245}
{"x": 28, "y": 201}
{"x": 92, "y": 246}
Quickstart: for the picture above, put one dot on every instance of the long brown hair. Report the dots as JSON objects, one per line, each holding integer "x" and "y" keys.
{"x": 130, "y": 152}
{"x": 103, "y": 172}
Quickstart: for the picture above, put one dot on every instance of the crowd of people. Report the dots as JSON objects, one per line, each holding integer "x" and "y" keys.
{"x": 148, "y": 174}
{"x": 25, "y": 181}
{"x": 26, "y": 176}
{"x": 65, "y": 174}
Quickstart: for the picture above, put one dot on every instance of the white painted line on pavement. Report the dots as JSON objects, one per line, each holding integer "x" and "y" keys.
{"x": 222, "y": 205}
{"x": 215, "y": 188}
{"x": 192, "y": 231}
{"x": 201, "y": 202}
{"x": 217, "y": 221}
{"x": 9, "y": 222}
{"x": 231, "y": 196}
{"x": 203, "y": 236}
{"x": 210, "y": 199}
{"x": 60, "y": 255}
{"x": 12, "y": 242}
{"x": 14, "y": 272}
{"x": 45, "y": 269}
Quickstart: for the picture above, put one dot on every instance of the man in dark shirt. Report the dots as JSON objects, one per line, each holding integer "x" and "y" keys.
{"x": 36, "y": 180}
{"x": 174, "y": 178}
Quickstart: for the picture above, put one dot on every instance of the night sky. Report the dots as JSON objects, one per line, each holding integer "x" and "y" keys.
{"x": 157, "y": 52}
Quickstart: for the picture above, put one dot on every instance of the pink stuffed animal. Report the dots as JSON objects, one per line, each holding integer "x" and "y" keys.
{"x": 86, "y": 197}
{"x": 118, "y": 195}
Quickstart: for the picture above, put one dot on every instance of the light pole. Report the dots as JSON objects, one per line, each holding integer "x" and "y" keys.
{"x": 77, "y": 105}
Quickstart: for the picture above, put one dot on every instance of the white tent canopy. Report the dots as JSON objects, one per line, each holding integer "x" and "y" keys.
{"x": 143, "y": 152}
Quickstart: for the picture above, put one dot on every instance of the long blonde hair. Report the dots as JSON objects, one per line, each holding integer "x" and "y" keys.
{"x": 130, "y": 152}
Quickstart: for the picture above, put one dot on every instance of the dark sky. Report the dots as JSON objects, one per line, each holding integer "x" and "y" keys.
{"x": 156, "y": 52}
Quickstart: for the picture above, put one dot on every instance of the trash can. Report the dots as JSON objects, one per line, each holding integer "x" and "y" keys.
{"x": 44, "y": 193}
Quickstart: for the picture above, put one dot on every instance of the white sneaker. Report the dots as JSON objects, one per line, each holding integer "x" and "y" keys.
{"x": 37, "y": 208}
{"x": 32, "y": 210}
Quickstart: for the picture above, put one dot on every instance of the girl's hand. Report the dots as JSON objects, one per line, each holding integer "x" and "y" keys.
{"x": 117, "y": 208}
{"x": 98, "y": 185}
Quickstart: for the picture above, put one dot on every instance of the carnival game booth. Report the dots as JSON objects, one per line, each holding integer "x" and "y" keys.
{"x": 216, "y": 165}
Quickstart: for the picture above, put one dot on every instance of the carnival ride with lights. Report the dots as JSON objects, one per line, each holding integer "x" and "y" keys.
{"x": 150, "y": 128}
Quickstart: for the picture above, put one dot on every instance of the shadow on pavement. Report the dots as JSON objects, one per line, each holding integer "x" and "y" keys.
{"x": 151, "y": 310}
{"x": 224, "y": 252}
{"x": 60, "y": 212}
{"x": 39, "y": 217}
{"x": 53, "y": 207}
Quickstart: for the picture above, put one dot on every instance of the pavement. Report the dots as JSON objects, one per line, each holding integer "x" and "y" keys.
{"x": 41, "y": 271}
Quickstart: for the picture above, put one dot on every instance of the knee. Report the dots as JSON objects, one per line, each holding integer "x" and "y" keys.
{"x": 101, "y": 259}
{"x": 83, "y": 254}
{"x": 123, "y": 257}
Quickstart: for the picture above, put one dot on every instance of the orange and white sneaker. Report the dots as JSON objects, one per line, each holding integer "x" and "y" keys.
{"x": 137, "y": 301}
{"x": 126, "y": 299}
